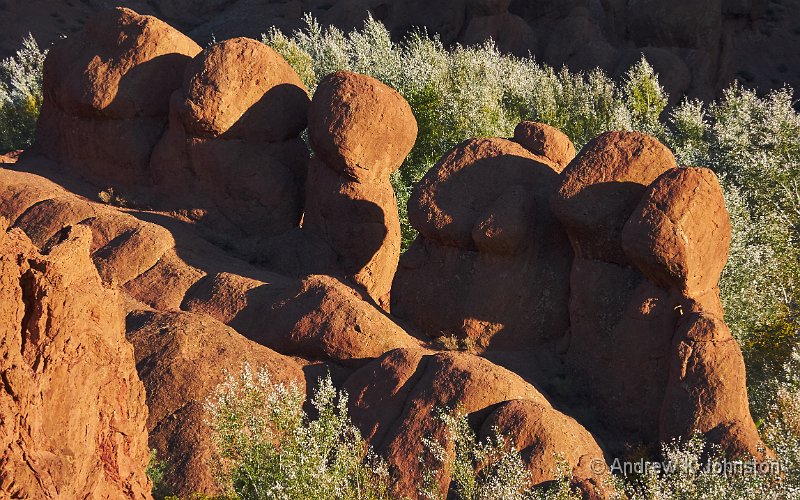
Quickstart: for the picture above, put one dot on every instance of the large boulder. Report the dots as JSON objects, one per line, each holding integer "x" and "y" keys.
{"x": 680, "y": 233}
{"x": 491, "y": 263}
{"x": 106, "y": 95}
{"x": 74, "y": 413}
{"x": 232, "y": 157}
{"x": 651, "y": 241}
{"x": 361, "y": 131}
{"x": 601, "y": 187}
{"x": 360, "y": 127}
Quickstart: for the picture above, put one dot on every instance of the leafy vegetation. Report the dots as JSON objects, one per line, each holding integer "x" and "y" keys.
{"x": 484, "y": 470}
{"x": 20, "y": 95}
{"x": 268, "y": 447}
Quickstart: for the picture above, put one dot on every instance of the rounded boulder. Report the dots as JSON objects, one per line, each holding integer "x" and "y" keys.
{"x": 680, "y": 233}
{"x": 122, "y": 65}
{"x": 547, "y": 141}
{"x": 242, "y": 89}
{"x": 601, "y": 188}
{"x": 360, "y": 127}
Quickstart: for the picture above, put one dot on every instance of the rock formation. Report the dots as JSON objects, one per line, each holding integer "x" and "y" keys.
{"x": 360, "y": 131}
{"x": 232, "y": 157}
{"x": 106, "y": 95}
{"x": 73, "y": 409}
{"x": 586, "y": 285}
{"x": 490, "y": 260}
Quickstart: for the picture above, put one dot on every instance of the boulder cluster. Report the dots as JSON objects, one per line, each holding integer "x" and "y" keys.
{"x": 584, "y": 286}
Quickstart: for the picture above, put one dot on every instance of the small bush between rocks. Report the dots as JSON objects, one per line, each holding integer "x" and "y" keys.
{"x": 267, "y": 447}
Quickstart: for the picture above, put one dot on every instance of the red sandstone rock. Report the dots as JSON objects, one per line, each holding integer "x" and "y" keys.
{"x": 706, "y": 392}
{"x": 359, "y": 222}
{"x": 491, "y": 263}
{"x": 545, "y": 436}
{"x": 368, "y": 138}
{"x": 232, "y": 153}
{"x": 680, "y": 233}
{"x": 242, "y": 89}
{"x": 547, "y": 141}
{"x": 601, "y": 188}
{"x": 106, "y": 95}
{"x": 393, "y": 401}
{"x": 361, "y": 131}
{"x": 73, "y": 407}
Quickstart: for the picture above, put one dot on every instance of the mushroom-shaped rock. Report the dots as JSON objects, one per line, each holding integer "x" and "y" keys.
{"x": 232, "y": 155}
{"x": 601, "y": 188}
{"x": 680, "y": 233}
{"x": 243, "y": 89}
{"x": 360, "y": 131}
{"x": 73, "y": 408}
{"x": 360, "y": 127}
{"x": 547, "y": 141}
{"x": 543, "y": 435}
{"x": 106, "y": 95}
{"x": 491, "y": 262}
{"x": 181, "y": 358}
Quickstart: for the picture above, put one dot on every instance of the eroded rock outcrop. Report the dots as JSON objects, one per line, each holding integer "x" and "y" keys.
{"x": 106, "y": 95}
{"x": 361, "y": 131}
{"x": 490, "y": 260}
{"x": 597, "y": 272}
{"x": 396, "y": 397}
{"x": 181, "y": 358}
{"x": 73, "y": 414}
{"x": 232, "y": 157}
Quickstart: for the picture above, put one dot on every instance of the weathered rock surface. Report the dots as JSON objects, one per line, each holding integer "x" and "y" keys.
{"x": 73, "y": 414}
{"x": 106, "y": 95}
{"x": 232, "y": 157}
{"x": 599, "y": 190}
{"x": 651, "y": 241}
{"x": 680, "y": 233}
{"x": 394, "y": 401}
{"x": 360, "y": 127}
{"x": 361, "y": 131}
{"x": 490, "y": 262}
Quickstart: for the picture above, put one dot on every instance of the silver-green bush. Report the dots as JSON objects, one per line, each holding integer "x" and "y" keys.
{"x": 268, "y": 447}
{"x": 20, "y": 95}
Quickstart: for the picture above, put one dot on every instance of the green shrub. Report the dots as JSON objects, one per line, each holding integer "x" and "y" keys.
{"x": 484, "y": 470}
{"x": 267, "y": 447}
{"x": 693, "y": 469}
{"x": 20, "y": 95}
{"x": 466, "y": 92}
